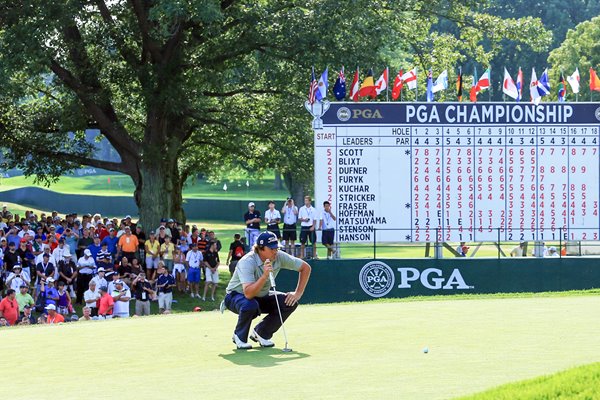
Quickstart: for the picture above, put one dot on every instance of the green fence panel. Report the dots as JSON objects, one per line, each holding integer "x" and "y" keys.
{"x": 359, "y": 280}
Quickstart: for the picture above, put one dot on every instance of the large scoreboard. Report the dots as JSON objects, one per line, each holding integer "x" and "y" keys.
{"x": 426, "y": 172}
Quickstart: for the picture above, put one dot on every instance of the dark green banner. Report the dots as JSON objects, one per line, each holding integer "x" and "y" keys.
{"x": 358, "y": 280}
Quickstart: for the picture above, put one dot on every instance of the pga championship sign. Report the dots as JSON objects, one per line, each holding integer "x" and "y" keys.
{"x": 377, "y": 279}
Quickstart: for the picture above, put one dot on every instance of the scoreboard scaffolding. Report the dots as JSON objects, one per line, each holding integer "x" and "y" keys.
{"x": 426, "y": 172}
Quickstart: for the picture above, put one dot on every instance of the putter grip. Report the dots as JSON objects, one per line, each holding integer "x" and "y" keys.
{"x": 272, "y": 279}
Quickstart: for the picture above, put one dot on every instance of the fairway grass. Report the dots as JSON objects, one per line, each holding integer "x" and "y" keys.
{"x": 370, "y": 350}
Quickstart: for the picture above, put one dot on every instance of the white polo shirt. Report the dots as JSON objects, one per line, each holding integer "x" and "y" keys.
{"x": 307, "y": 212}
{"x": 194, "y": 258}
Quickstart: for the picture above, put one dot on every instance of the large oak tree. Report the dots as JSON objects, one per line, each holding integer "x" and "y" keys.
{"x": 185, "y": 86}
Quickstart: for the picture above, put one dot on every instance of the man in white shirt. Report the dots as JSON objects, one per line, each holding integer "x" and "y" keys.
{"x": 85, "y": 268}
{"x": 16, "y": 278}
{"x": 99, "y": 279}
{"x": 290, "y": 217}
{"x": 308, "y": 222}
{"x": 121, "y": 297}
{"x": 272, "y": 219}
{"x": 194, "y": 259}
{"x": 327, "y": 227}
{"x": 58, "y": 253}
{"x": 90, "y": 297}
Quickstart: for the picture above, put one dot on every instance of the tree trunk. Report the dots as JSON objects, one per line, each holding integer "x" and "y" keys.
{"x": 295, "y": 187}
{"x": 159, "y": 193}
{"x": 278, "y": 181}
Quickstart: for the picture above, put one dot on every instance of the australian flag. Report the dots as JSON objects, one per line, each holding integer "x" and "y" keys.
{"x": 339, "y": 88}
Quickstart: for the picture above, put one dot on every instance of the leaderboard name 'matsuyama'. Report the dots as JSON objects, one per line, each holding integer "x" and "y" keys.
{"x": 486, "y": 171}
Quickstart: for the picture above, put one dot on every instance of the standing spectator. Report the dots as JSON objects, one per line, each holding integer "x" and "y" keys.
{"x": 162, "y": 234}
{"x": 71, "y": 239}
{"x": 194, "y": 260}
{"x": 85, "y": 241}
{"x": 53, "y": 317}
{"x": 141, "y": 236}
{"x": 104, "y": 258}
{"x": 211, "y": 265}
{"x": 48, "y": 291}
{"x": 67, "y": 271}
{"x": 236, "y": 252}
{"x": 290, "y": 218}
{"x": 152, "y": 248}
{"x": 124, "y": 269}
{"x": 63, "y": 305}
{"x": 308, "y": 221}
{"x": 95, "y": 247}
{"x": 16, "y": 279}
{"x": 9, "y": 307}
{"x": 85, "y": 271}
{"x": 111, "y": 241}
{"x": 166, "y": 253}
{"x": 163, "y": 225}
{"x": 143, "y": 292}
{"x": 164, "y": 285}
{"x": 552, "y": 252}
{"x": 99, "y": 279}
{"x": 91, "y": 297}
{"x": 212, "y": 238}
{"x": 59, "y": 252}
{"x": 24, "y": 298}
{"x": 25, "y": 230}
{"x": 121, "y": 297}
{"x": 179, "y": 270}
{"x": 106, "y": 303}
{"x": 26, "y": 258}
{"x": 328, "y": 229}
{"x": 44, "y": 269}
{"x": 174, "y": 231}
{"x": 252, "y": 219}
{"x": 272, "y": 219}
{"x": 11, "y": 258}
{"x": 128, "y": 244}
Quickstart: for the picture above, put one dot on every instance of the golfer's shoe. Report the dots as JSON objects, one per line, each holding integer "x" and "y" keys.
{"x": 241, "y": 345}
{"x": 222, "y": 306}
{"x": 263, "y": 342}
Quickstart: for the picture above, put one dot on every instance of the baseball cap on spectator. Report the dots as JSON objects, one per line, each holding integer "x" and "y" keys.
{"x": 23, "y": 241}
{"x": 118, "y": 282}
{"x": 111, "y": 230}
{"x": 267, "y": 239}
{"x": 3, "y": 239}
{"x": 251, "y": 204}
{"x": 163, "y": 220}
{"x": 23, "y": 286}
{"x": 128, "y": 217}
{"x": 162, "y": 227}
{"x": 27, "y": 305}
{"x": 96, "y": 236}
{"x": 61, "y": 240}
{"x": 101, "y": 269}
{"x": 50, "y": 279}
{"x": 127, "y": 228}
{"x": 66, "y": 254}
{"x": 11, "y": 243}
{"x": 109, "y": 222}
{"x": 18, "y": 266}
{"x": 87, "y": 252}
{"x": 74, "y": 318}
{"x": 50, "y": 307}
{"x": 38, "y": 237}
{"x": 110, "y": 273}
{"x": 152, "y": 233}
{"x": 170, "y": 220}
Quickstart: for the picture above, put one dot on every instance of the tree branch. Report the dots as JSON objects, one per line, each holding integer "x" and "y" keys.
{"x": 128, "y": 56}
{"x": 148, "y": 44}
{"x": 241, "y": 91}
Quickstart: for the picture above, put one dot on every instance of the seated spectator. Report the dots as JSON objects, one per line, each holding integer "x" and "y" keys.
{"x": 552, "y": 252}
{"x": 3, "y": 322}
{"x": 26, "y": 317}
{"x": 9, "y": 308}
{"x": 53, "y": 317}
{"x": 87, "y": 314}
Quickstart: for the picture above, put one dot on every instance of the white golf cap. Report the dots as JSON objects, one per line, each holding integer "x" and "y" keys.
{"x": 87, "y": 252}
{"x": 50, "y": 307}
{"x": 251, "y": 204}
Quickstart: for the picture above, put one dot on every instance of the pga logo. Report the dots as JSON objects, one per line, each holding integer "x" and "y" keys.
{"x": 376, "y": 279}
{"x": 432, "y": 278}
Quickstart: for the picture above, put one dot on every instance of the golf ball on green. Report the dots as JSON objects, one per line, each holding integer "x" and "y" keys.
{"x": 426, "y": 350}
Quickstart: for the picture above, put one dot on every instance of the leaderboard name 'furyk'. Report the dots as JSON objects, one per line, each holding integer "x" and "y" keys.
{"x": 492, "y": 113}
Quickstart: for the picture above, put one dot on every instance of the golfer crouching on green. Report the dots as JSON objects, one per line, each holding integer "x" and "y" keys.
{"x": 248, "y": 291}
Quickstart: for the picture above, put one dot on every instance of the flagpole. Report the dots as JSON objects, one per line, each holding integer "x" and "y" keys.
{"x": 401, "y": 87}
{"x": 491, "y": 86}
{"x": 311, "y": 79}
{"x": 416, "y": 86}
{"x": 387, "y": 86}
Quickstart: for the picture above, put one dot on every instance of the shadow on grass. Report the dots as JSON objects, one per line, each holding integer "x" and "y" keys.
{"x": 262, "y": 357}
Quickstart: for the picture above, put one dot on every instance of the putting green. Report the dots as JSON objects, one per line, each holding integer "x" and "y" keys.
{"x": 369, "y": 350}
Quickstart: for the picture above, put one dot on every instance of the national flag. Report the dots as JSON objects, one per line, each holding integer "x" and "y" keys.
{"x": 382, "y": 82}
{"x": 520, "y": 85}
{"x": 594, "y": 81}
{"x": 410, "y": 78}
{"x": 574, "y": 81}
{"x": 533, "y": 91}
{"x": 398, "y": 82}
{"x": 441, "y": 83}
{"x": 312, "y": 90}
{"x": 544, "y": 84}
{"x": 339, "y": 88}
{"x": 482, "y": 83}
{"x": 562, "y": 88}
{"x": 355, "y": 86}
{"x": 429, "y": 87}
{"x": 459, "y": 85}
{"x": 508, "y": 86}
{"x": 322, "y": 86}
{"x": 368, "y": 86}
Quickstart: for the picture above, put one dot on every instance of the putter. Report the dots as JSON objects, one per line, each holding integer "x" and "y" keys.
{"x": 286, "y": 349}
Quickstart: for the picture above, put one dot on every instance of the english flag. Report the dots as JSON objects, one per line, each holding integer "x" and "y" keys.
{"x": 410, "y": 78}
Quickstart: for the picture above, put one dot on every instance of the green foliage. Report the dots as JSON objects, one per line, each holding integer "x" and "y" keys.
{"x": 580, "y": 49}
